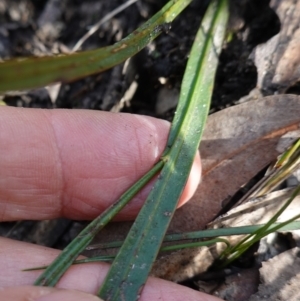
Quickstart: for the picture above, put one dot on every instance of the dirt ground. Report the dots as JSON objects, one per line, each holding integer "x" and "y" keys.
{"x": 26, "y": 31}
{"x": 50, "y": 27}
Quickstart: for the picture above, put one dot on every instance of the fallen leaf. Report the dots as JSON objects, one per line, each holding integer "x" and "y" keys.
{"x": 187, "y": 263}
{"x": 259, "y": 211}
{"x": 237, "y": 143}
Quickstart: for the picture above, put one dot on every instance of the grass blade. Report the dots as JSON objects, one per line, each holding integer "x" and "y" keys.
{"x": 289, "y": 225}
{"x": 283, "y": 168}
{"x": 65, "y": 259}
{"x": 236, "y": 251}
{"x": 132, "y": 265}
{"x": 36, "y": 72}
{"x": 208, "y": 233}
{"x": 287, "y": 163}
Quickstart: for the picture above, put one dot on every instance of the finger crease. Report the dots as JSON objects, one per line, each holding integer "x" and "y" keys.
{"x": 59, "y": 166}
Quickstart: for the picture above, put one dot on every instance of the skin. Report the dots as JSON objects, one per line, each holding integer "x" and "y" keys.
{"x": 73, "y": 164}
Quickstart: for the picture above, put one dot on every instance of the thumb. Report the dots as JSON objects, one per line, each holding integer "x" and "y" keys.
{"x": 36, "y": 293}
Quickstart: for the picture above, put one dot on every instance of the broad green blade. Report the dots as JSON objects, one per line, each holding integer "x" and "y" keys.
{"x": 36, "y": 72}
{"x": 133, "y": 263}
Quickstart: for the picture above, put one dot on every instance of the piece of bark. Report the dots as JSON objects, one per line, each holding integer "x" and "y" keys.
{"x": 278, "y": 59}
{"x": 239, "y": 286}
{"x": 280, "y": 278}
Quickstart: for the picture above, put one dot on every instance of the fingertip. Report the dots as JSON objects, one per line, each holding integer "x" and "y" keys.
{"x": 132, "y": 209}
{"x": 192, "y": 182}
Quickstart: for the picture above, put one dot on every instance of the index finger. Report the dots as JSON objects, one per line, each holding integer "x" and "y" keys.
{"x": 75, "y": 163}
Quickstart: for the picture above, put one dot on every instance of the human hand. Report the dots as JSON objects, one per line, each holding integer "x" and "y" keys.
{"x": 74, "y": 164}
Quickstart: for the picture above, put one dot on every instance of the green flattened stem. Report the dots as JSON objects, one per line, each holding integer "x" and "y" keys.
{"x": 130, "y": 269}
{"x": 36, "y": 72}
{"x": 58, "y": 267}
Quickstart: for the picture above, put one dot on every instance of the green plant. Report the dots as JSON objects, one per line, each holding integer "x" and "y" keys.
{"x": 148, "y": 231}
{"x": 197, "y": 235}
{"x": 36, "y": 72}
{"x": 285, "y": 165}
{"x": 146, "y": 235}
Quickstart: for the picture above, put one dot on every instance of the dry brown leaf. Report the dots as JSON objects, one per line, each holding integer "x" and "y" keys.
{"x": 187, "y": 263}
{"x": 278, "y": 59}
{"x": 237, "y": 143}
{"x": 260, "y": 210}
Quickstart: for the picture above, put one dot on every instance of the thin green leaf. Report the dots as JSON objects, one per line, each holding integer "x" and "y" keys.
{"x": 58, "y": 267}
{"x": 286, "y": 156}
{"x": 35, "y": 72}
{"x": 289, "y": 225}
{"x": 163, "y": 249}
{"x": 123, "y": 49}
{"x": 207, "y": 234}
{"x": 285, "y": 165}
{"x": 233, "y": 253}
{"x": 132, "y": 265}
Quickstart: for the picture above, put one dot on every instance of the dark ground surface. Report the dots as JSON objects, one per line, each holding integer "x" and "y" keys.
{"x": 24, "y": 32}
{"x": 157, "y": 70}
